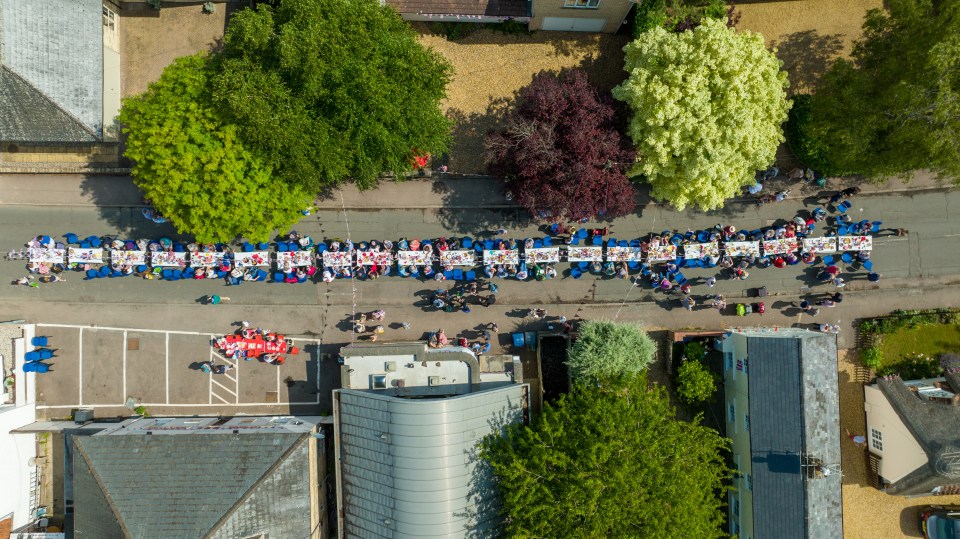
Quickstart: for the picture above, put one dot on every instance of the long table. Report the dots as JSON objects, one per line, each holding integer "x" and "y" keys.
{"x": 542, "y": 255}
{"x": 208, "y": 259}
{"x": 414, "y": 258}
{"x": 168, "y": 259}
{"x": 51, "y": 256}
{"x": 297, "y": 259}
{"x": 781, "y": 246}
{"x": 700, "y": 250}
{"x": 624, "y": 254}
{"x": 255, "y": 258}
{"x": 370, "y": 258}
{"x": 820, "y": 245}
{"x": 509, "y": 256}
{"x": 457, "y": 258}
{"x": 742, "y": 248}
{"x": 855, "y": 243}
{"x": 337, "y": 259}
{"x": 663, "y": 252}
{"x": 128, "y": 257}
{"x": 585, "y": 254}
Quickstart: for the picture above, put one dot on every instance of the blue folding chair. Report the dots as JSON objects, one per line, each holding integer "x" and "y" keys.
{"x": 574, "y": 241}
{"x": 582, "y": 233}
{"x": 645, "y": 269}
{"x": 488, "y": 244}
{"x": 634, "y": 243}
{"x": 623, "y": 243}
{"x": 518, "y": 339}
{"x": 576, "y": 273}
{"x": 45, "y": 354}
{"x": 844, "y": 206}
{"x": 612, "y": 242}
{"x": 470, "y": 276}
{"x": 703, "y": 236}
{"x": 466, "y": 243}
{"x": 868, "y": 265}
{"x": 39, "y": 341}
{"x": 141, "y": 268}
{"x": 538, "y": 244}
{"x": 583, "y": 266}
{"x": 597, "y": 241}
{"x": 282, "y": 247}
{"x": 679, "y": 278}
{"x": 37, "y": 367}
{"x": 278, "y": 277}
{"x": 633, "y": 265}
{"x": 828, "y": 260}
{"x": 449, "y": 275}
{"x": 293, "y": 246}
{"x": 843, "y": 230}
{"x": 116, "y": 273}
{"x": 846, "y": 258}
{"x": 92, "y": 274}
{"x": 263, "y": 246}
{"x": 84, "y": 244}
{"x": 548, "y": 241}
{"x": 104, "y": 271}
{"x": 32, "y": 356}
{"x": 457, "y": 275}
{"x": 247, "y": 247}
{"x": 71, "y": 238}
{"x": 321, "y": 248}
{"x": 189, "y": 273}
{"x": 876, "y": 227}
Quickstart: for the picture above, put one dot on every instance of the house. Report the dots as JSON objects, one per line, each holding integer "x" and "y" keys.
{"x": 59, "y": 83}
{"x": 199, "y": 477}
{"x": 782, "y": 413}
{"x": 406, "y": 427}
{"x": 913, "y": 434}
{"x": 564, "y": 15}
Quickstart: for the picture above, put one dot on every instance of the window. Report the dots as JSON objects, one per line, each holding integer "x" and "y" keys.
{"x": 746, "y": 423}
{"x": 731, "y": 412}
{"x": 728, "y": 359}
{"x": 746, "y": 366}
{"x": 109, "y": 19}
{"x": 583, "y": 4}
{"x": 876, "y": 439}
{"x": 749, "y": 482}
{"x": 736, "y": 506}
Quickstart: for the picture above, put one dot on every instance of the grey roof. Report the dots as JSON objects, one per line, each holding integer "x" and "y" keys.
{"x": 936, "y": 427}
{"x": 26, "y": 115}
{"x": 188, "y": 485}
{"x": 794, "y": 413}
{"x": 409, "y": 467}
{"x": 56, "y": 46}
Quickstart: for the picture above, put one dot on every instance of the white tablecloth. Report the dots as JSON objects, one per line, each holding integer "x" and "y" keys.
{"x": 297, "y": 259}
{"x": 585, "y": 254}
{"x": 820, "y": 245}
{"x": 414, "y": 258}
{"x": 168, "y": 259}
{"x": 742, "y": 248}
{"x": 541, "y": 255}
{"x": 84, "y": 256}
{"x": 663, "y": 252}
{"x": 458, "y": 258}
{"x": 780, "y": 247}
{"x": 128, "y": 257}
{"x": 254, "y": 258}
{"x": 368, "y": 258}
{"x": 624, "y": 254}
{"x": 208, "y": 259}
{"x": 337, "y": 259}
{"x": 700, "y": 250}
{"x": 501, "y": 257}
{"x": 54, "y": 256}
{"x": 855, "y": 243}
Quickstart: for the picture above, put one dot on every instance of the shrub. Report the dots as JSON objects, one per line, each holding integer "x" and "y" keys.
{"x": 808, "y": 148}
{"x": 141, "y": 411}
{"x": 872, "y": 358}
{"x": 913, "y": 367}
{"x": 454, "y": 31}
{"x": 511, "y": 27}
{"x": 695, "y": 351}
{"x": 717, "y": 9}
{"x": 695, "y": 383}
{"x": 650, "y": 14}
{"x": 609, "y": 350}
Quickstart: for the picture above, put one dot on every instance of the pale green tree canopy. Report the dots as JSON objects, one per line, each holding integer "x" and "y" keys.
{"x": 895, "y": 107}
{"x": 609, "y": 350}
{"x": 194, "y": 168}
{"x": 707, "y": 107}
{"x": 610, "y": 461}
{"x": 695, "y": 382}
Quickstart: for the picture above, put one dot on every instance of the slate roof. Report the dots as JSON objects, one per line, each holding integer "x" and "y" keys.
{"x": 191, "y": 485}
{"x": 408, "y": 468}
{"x": 26, "y": 115}
{"x": 936, "y": 427}
{"x": 488, "y": 8}
{"x": 56, "y": 48}
{"x": 794, "y": 413}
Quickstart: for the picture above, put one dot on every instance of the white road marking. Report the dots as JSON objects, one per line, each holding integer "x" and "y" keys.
{"x": 122, "y": 404}
{"x": 124, "y": 344}
{"x": 166, "y": 361}
{"x": 80, "y": 363}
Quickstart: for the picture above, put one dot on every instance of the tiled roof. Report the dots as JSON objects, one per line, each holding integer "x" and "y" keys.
{"x": 56, "y": 47}
{"x": 794, "y": 414}
{"x": 185, "y": 485}
{"x": 936, "y": 427}
{"x": 408, "y": 466}
{"x": 26, "y": 115}
{"x": 488, "y": 8}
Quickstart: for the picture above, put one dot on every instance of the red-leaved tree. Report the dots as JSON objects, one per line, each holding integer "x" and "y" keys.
{"x": 559, "y": 152}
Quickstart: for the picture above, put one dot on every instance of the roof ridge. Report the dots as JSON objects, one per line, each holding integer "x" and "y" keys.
{"x": 246, "y": 495}
{"x": 78, "y": 445}
{"x": 59, "y": 107}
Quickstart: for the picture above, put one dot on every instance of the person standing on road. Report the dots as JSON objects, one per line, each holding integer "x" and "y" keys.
{"x": 217, "y": 300}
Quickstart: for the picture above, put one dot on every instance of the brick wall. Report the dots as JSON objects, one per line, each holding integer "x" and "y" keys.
{"x": 614, "y": 11}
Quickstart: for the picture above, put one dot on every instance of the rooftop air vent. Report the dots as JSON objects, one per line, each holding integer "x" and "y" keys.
{"x": 378, "y": 381}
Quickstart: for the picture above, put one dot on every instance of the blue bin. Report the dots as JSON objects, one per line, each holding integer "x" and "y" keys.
{"x": 518, "y": 339}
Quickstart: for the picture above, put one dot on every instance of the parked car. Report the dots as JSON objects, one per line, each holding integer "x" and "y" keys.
{"x": 940, "y": 521}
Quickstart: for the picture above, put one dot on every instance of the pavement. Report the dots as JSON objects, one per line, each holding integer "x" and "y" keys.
{"x": 919, "y": 271}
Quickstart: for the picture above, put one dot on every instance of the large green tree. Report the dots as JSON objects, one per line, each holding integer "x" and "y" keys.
{"x": 325, "y": 90}
{"x": 609, "y": 350}
{"x": 707, "y": 107}
{"x": 194, "y": 167}
{"x": 895, "y": 107}
{"x": 610, "y": 461}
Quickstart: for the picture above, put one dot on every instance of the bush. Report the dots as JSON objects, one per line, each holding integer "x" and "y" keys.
{"x": 695, "y": 383}
{"x": 695, "y": 351}
{"x": 609, "y": 350}
{"x": 454, "y": 31}
{"x": 913, "y": 367}
{"x": 141, "y": 411}
{"x": 511, "y": 27}
{"x": 650, "y": 14}
{"x": 872, "y": 358}
{"x": 717, "y": 9}
{"x": 809, "y": 149}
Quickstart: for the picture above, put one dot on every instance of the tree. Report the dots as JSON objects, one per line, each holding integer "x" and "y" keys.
{"x": 707, "y": 107}
{"x": 695, "y": 383}
{"x": 194, "y": 168}
{"x": 895, "y": 107}
{"x": 559, "y": 153}
{"x": 323, "y": 90}
{"x": 610, "y": 461}
{"x": 609, "y": 350}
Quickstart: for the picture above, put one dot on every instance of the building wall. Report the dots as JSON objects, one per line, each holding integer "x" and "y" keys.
{"x": 613, "y": 11}
{"x": 736, "y": 408}
{"x": 901, "y": 454}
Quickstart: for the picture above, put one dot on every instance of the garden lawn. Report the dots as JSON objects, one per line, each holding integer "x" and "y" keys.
{"x": 929, "y": 340}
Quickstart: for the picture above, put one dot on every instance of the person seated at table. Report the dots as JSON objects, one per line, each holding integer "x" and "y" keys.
{"x": 475, "y": 347}
{"x": 414, "y": 245}
{"x": 127, "y": 269}
{"x": 346, "y": 272}
{"x": 269, "y": 358}
{"x": 521, "y": 275}
{"x": 403, "y": 245}
{"x": 808, "y": 258}
{"x": 780, "y": 233}
{"x": 428, "y": 270}
{"x": 348, "y": 246}
{"x": 844, "y": 219}
{"x": 863, "y": 256}
{"x": 236, "y": 272}
{"x": 763, "y": 262}
{"x": 550, "y": 272}
{"x": 426, "y": 247}
{"x": 779, "y": 262}
{"x": 305, "y": 242}
{"x": 792, "y": 259}
{"x": 726, "y": 262}
{"x": 609, "y": 269}
{"x": 729, "y": 231}
{"x": 387, "y": 246}
{"x": 501, "y": 272}
{"x": 334, "y": 246}
{"x": 327, "y": 276}
{"x": 790, "y": 231}
{"x": 301, "y": 273}
{"x": 528, "y": 243}
{"x": 623, "y": 270}
{"x": 512, "y": 246}
{"x": 672, "y": 268}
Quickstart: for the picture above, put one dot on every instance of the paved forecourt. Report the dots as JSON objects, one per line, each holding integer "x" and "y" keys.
{"x": 110, "y": 368}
